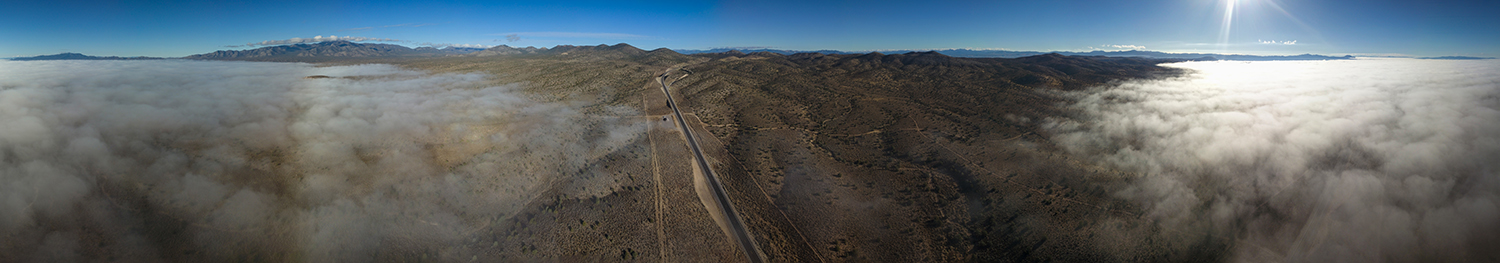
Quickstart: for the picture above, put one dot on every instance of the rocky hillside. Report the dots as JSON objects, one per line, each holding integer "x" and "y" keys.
{"x": 921, "y": 156}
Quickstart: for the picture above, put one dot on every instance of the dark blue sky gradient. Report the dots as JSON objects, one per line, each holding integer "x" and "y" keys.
{"x": 163, "y": 28}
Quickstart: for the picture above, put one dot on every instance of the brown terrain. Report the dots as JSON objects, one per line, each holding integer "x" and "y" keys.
{"x": 911, "y": 157}
{"x": 873, "y": 157}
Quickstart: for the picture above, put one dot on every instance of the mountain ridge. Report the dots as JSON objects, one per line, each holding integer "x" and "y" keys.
{"x": 78, "y": 56}
{"x": 334, "y": 50}
{"x": 330, "y": 49}
{"x": 979, "y": 53}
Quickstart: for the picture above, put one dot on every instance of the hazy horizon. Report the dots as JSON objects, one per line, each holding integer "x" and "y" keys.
{"x": 1256, "y": 27}
{"x": 809, "y": 50}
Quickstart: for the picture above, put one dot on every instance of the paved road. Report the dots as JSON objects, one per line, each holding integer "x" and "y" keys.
{"x": 736, "y": 225}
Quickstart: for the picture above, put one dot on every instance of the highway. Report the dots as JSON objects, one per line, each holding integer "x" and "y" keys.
{"x": 740, "y": 234}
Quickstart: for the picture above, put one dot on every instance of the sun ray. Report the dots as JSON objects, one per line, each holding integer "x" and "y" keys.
{"x": 1225, "y": 26}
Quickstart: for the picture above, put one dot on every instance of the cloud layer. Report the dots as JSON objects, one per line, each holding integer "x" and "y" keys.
{"x": 1274, "y": 42}
{"x": 1131, "y": 47}
{"x": 1322, "y": 161}
{"x": 164, "y": 160}
{"x": 571, "y": 35}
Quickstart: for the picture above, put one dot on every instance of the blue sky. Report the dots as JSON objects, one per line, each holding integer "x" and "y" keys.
{"x": 166, "y": 28}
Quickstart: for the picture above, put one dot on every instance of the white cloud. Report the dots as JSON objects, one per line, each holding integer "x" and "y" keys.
{"x": 430, "y": 44}
{"x": 574, "y": 35}
{"x": 471, "y": 45}
{"x": 1352, "y": 160}
{"x": 298, "y": 40}
{"x": 1128, "y": 47}
{"x": 1274, "y": 42}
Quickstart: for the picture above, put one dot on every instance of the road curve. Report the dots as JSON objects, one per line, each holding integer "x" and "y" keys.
{"x": 741, "y": 235}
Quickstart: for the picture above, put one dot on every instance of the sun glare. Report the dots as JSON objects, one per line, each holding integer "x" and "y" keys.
{"x": 1224, "y": 26}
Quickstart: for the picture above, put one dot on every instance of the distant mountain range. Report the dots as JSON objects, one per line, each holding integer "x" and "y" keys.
{"x": 974, "y": 53}
{"x": 331, "y": 49}
{"x": 777, "y": 51}
{"x": 76, "y": 56}
{"x": 606, "y": 50}
{"x": 619, "y": 51}
{"x": 323, "y": 51}
{"x": 506, "y": 50}
{"x": 1456, "y": 58}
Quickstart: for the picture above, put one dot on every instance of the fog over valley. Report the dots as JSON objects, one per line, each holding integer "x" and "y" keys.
{"x": 177, "y": 159}
{"x": 1362, "y": 160}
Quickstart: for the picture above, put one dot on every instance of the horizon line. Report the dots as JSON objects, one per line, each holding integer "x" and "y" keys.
{"x": 743, "y": 48}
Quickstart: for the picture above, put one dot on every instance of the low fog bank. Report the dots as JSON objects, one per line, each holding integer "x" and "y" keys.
{"x": 1323, "y": 161}
{"x": 179, "y": 160}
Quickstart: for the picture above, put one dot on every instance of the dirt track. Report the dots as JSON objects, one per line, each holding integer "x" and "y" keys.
{"x": 722, "y": 209}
